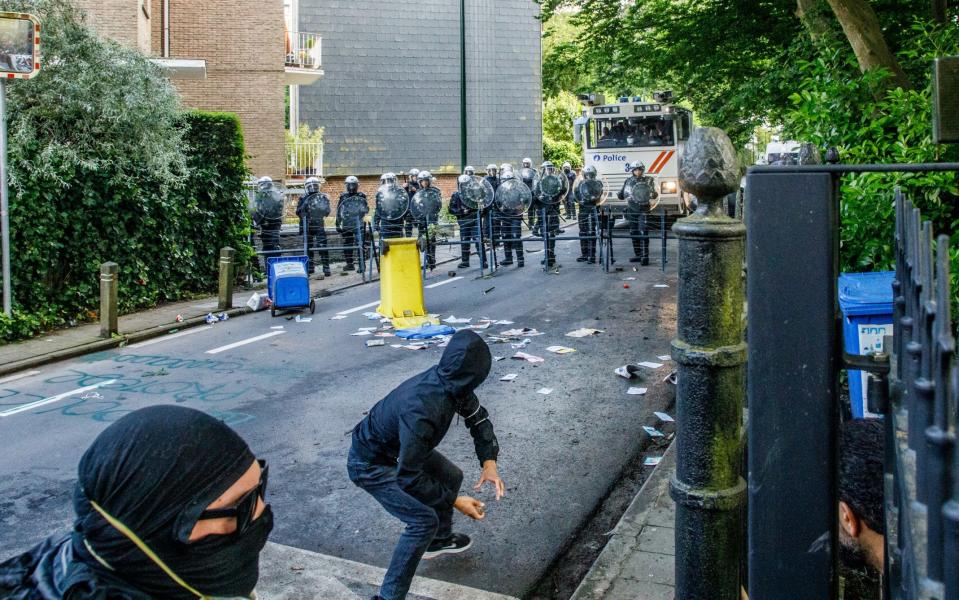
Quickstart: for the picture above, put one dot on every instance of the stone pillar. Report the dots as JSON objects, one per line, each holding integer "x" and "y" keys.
{"x": 710, "y": 350}
{"x": 227, "y": 277}
{"x": 108, "y": 299}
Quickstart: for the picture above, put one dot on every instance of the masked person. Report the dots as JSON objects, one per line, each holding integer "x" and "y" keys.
{"x": 588, "y": 219}
{"x": 350, "y": 222}
{"x": 467, "y": 220}
{"x": 570, "y": 198}
{"x": 425, "y": 181}
{"x": 388, "y": 228}
{"x": 169, "y": 503}
{"x": 510, "y": 228}
{"x": 313, "y": 208}
{"x": 393, "y": 457}
{"x": 268, "y": 215}
{"x": 637, "y": 211}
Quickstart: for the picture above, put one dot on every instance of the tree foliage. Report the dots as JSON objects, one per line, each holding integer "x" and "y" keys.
{"x": 558, "y": 114}
{"x": 101, "y": 169}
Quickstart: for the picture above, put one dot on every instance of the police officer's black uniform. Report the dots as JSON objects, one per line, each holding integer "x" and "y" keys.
{"x": 349, "y": 226}
{"x": 315, "y": 228}
{"x": 637, "y": 215}
{"x": 469, "y": 229}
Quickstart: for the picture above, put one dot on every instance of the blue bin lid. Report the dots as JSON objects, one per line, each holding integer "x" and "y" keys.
{"x": 866, "y": 293}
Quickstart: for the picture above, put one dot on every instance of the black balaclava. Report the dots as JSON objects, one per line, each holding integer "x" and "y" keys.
{"x": 465, "y": 364}
{"x": 155, "y": 470}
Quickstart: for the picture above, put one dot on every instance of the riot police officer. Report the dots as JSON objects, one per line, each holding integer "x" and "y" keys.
{"x": 268, "y": 215}
{"x": 349, "y": 220}
{"x": 469, "y": 171}
{"x": 637, "y": 211}
{"x": 466, "y": 218}
{"x": 510, "y": 228}
{"x": 532, "y": 214}
{"x": 425, "y": 181}
{"x": 312, "y": 209}
{"x": 588, "y": 219}
{"x": 552, "y": 214}
{"x": 492, "y": 176}
{"x": 570, "y": 199}
{"x": 411, "y": 186}
{"x": 386, "y": 227}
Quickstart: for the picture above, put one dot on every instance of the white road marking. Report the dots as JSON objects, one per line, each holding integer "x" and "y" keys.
{"x": 38, "y": 403}
{"x": 244, "y": 342}
{"x": 18, "y": 376}
{"x": 171, "y": 336}
{"x": 444, "y": 282}
{"x": 358, "y": 308}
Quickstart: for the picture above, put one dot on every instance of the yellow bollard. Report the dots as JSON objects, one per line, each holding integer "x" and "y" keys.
{"x": 401, "y": 285}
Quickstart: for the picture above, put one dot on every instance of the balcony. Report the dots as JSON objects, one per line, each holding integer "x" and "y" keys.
{"x": 304, "y": 58}
{"x": 304, "y": 159}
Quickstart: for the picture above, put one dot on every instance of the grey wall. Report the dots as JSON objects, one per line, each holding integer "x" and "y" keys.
{"x": 390, "y": 98}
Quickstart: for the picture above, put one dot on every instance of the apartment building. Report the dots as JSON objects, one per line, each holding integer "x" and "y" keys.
{"x": 223, "y": 55}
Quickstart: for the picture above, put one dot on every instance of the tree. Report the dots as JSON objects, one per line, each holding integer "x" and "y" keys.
{"x": 862, "y": 28}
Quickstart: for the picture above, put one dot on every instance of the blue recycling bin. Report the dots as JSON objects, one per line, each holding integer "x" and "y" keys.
{"x": 288, "y": 284}
{"x": 866, "y": 303}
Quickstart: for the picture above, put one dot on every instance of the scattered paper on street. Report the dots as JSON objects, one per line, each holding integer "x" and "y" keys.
{"x": 372, "y": 343}
{"x": 373, "y": 316}
{"x": 481, "y": 325}
{"x": 362, "y": 332}
{"x": 452, "y": 320}
{"x": 653, "y": 432}
{"x": 636, "y": 391}
{"x": 664, "y": 417}
{"x": 503, "y": 323}
{"x": 652, "y": 461}
{"x": 664, "y": 357}
{"x": 629, "y": 279}
{"x": 396, "y": 345}
{"x": 415, "y": 347}
{"x": 384, "y": 334}
{"x": 338, "y": 317}
{"x": 560, "y": 350}
{"x": 509, "y": 377}
{"x": 528, "y": 358}
{"x": 368, "y": 328}
{"x": 651, "y": 365}
{"x": 627, "y": 371}
{"x": 661, "y": 285}
{"x": 524, "y": 332}
{"x": 545, "y": 391}
{"x": 300, "y": 319}
{"x": 521, "y": 345}
{"x": 498, "y": 358}
{"x": 581, "y": 333}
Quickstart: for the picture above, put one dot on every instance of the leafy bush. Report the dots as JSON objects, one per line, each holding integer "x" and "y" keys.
{"x": 560, "y": 152}
{"x": 558, "y": 115}
{"x": 101, "y": 170}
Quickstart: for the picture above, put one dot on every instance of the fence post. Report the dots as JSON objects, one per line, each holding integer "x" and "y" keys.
{"x": 711, "y": 353}
{"x": 227, "y": 276}
{"x": 108, "y": 299}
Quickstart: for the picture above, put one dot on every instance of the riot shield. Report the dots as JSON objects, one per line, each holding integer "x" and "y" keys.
{"x": 426, "y": 205}
{"x": 393, "y": 201}
{"x": 639, "y": 195}
{"x": 353, "y": 210}
{"x": 512, "y": 197}
{"x": 477, "y": 194}
{"x": 552, "y": 188}
{"x": 591, "y": 192}
{"x": 269, "y": 206}
{"x": 317, "y": 208}
{"x": 530, "y": 177}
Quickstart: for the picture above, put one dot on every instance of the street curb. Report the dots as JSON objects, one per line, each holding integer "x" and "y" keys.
{"x": 142, "y": 335}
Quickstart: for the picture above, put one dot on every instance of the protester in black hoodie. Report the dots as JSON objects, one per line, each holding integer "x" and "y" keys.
{"x": 169, "y": 504}
{"x": 393, "y": 457}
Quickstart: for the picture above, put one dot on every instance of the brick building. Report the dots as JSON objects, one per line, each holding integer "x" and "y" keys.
{"x": 390, "y": 100}
{"x": 223, "y": 55}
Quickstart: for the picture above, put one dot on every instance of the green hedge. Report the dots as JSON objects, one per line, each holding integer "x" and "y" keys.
{"x": 105, "y": 165}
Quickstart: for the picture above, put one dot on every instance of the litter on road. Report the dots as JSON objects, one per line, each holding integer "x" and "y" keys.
{"x": 627, "y": 371}
{"x": 521, "y": 345}
{"x": 665, "y": 357}
{"x": 258, "y": 302}
{"x": 453, "y": 320}
{"x": 528, "y": 358}
{"x": 368, "y": 328}
{"x": 585, "y": 332}
{"x": 373, "y": 316}
{"x": 498, "y": 358}
{"x": 425, "y": 332}
{"x": 651, "y": 365}
{"x": 362, "y": 332}
{"x": 509, "y": 377}
{"x": 661, "y": 285}
{"x": 373, "y": 343}
{"x": 300, "y": 319}
{"x": 664, "y": 417}
{"x": 504, "y": 323}
{"x": 545, "y": 391}
{"x": 653, "y": 432}
{"x": 521, "y": 333}
{"x": 560, "y": 349}
{"x": 652, "y": 461}
{"x": 671, "y": 378}
{"x": 384, "y": 334}
{"x": 636, "y": 391}
{"x": 338, "y": 317}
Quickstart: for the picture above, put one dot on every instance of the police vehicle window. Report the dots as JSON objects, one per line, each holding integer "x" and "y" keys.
{"x": 634, "y": 132}
{"x": 684, "y": 126}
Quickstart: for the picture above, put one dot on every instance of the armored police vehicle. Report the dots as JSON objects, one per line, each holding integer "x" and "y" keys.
{"x": 616, "y": 136}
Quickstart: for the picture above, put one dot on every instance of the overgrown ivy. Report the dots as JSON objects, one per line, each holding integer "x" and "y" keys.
{"x": 106, "y": 166}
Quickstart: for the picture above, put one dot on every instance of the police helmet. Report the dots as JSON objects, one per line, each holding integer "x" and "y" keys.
{"x": 463, "y": 180}
{"x": 527, "y": 163}
{"x": 424, "y": 176}
{"x": 548, "y": 167}
{"x": 637, "y": 166}
{"x": 567, "y": 166}
{"x": 506, "y": 171}
{"x": 469, "y": 171}
{"x": 312, "y": 185}
{"x": 388, "y": 178}
{"x": 414, "y": 174}
{"x": 352, "y": 184}
{"x": 491, "y": 169}
{"x": 589, "y": 172}
{"x": 264, "y": 183}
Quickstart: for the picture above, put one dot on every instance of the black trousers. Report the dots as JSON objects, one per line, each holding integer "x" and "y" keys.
{"x": 587, "y": 228}
{"x": 270, "y": 239}
{"x": 316, "y": 242}
{"x": 469, "y": 232}
{"x": 349, "y": 239}
{"x": 423, "y": 231}
{"x": 639, "y": 227}
{"x": 511, "y": 228}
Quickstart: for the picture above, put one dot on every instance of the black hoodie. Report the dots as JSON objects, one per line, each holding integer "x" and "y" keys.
{"x": 403, "y": 428}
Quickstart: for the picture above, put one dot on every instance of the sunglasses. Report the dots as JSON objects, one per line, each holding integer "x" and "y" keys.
{"x": 245, "y": 509}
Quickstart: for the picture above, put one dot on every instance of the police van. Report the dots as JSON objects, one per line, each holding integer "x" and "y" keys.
{"x": 616, "y": 136}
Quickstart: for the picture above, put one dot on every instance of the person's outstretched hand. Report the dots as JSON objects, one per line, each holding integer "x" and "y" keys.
{"x": 491, "y": 475}
{"x": 471, "y": 507}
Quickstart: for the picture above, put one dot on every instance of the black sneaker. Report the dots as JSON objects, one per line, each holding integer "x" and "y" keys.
{"x": 520, "y": 265}
{"x": 456, "y": 543}
{"x": 591, "y": 261}
{"x": 645, "y": 262}
{"x": 635, "y": 259}
{"x": 506, "y": 263}
{"x": 463, "y": 265}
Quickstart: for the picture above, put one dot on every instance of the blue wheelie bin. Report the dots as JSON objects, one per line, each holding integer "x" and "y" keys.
{"x": 288, "y": 284}
{"x": 866, "y": 303}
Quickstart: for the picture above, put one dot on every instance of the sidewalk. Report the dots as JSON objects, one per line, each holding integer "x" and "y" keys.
{"x": 67, "y": 343}
{"x": 637, "y": 563}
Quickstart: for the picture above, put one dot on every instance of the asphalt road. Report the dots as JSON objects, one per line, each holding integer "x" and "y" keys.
{"x": 296, "y": 392}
